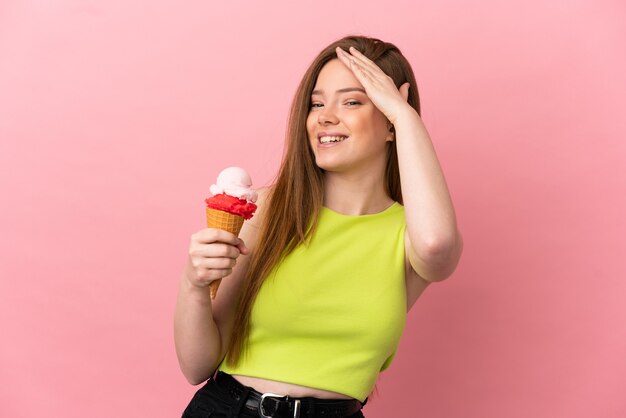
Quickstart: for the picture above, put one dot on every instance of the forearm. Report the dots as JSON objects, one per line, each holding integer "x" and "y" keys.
{"x": 197, "y": 338}
{"x": 430, "y": 216}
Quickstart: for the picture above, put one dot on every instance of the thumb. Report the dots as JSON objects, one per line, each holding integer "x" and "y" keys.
{"x": 404, "y": 91}
{"x": 242, "y": 247}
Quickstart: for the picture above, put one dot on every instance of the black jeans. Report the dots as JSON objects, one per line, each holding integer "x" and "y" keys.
{"x": 211, "y": 402}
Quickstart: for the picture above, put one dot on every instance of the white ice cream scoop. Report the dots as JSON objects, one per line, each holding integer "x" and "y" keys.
{"x": 235, "y": 181}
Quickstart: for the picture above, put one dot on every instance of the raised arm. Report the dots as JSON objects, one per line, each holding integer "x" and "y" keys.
{"x": 434, "y": 243}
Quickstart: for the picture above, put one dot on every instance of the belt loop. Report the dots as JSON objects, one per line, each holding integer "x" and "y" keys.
{"x": 236, "y": 408}
{"x": 296, "y": 409}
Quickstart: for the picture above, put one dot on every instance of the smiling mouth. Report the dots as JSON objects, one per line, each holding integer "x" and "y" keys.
{"x": 332, "y": 139}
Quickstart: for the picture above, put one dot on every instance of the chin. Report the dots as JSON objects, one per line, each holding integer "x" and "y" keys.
{"x": 331, "y": 167}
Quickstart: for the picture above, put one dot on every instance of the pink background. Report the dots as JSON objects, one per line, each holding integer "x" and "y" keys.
{"x": 116, "y": 117}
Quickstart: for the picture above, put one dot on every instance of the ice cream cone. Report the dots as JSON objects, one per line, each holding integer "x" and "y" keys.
{"x": 227, "y": 222}
{"x": 231, "y": 203}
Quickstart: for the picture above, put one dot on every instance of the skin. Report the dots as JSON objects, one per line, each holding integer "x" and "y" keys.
{"x": 353, "y": 168}
{"x": 354, "y": 186}
{"x": 350, "y": 113}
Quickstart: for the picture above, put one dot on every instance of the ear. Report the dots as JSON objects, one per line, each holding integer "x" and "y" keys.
{"x": 392, "y": 133}
{"x": 404, "y": 91}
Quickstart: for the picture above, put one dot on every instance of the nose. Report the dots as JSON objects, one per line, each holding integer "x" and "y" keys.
{"x": 327, "y": 116}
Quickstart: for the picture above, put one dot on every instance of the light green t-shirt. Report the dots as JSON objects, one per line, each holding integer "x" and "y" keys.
{"x": 331, "y": 315}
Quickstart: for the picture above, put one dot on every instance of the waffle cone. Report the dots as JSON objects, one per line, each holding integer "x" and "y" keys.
{"x": 227, "y": 222}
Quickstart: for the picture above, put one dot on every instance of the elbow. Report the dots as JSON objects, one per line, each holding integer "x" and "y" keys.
{"x": 441, "y": 258}
{"x": 196, "y": 371}
{"x": 436, "y": 275}
{"x": 441, "y": 248}
{"x": 194, "y": 378}
{"x": 197, "y": 363}
{"x": 195, "y": 382}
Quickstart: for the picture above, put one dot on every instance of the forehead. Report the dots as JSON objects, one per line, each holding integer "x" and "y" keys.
{"x": 335, "y": 75}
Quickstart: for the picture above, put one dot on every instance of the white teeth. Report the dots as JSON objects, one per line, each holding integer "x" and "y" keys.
{"x": 327, "y": 139}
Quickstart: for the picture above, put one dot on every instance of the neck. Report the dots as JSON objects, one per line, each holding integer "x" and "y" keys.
{"x": 355, "y": 194}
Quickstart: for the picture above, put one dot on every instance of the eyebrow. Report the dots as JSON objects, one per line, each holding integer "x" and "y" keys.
{"x": 347, "y": 89}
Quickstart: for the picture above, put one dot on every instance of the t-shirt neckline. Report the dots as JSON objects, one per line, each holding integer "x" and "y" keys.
{"x": 394, "y": 204}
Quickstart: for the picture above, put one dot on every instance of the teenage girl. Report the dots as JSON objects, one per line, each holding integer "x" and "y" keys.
{"x": 318, "y": 284}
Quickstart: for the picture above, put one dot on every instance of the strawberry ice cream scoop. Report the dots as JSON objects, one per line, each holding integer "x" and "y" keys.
{"x": 233, "y": 193}
{"x": 231, "y": 204}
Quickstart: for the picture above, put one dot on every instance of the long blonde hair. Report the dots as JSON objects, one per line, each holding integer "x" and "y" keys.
{"x": 295, "y": 200}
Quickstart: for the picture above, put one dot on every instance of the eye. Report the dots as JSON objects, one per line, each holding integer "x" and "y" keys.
{"x": 316, "y": 104}
{"x": 353, "y": 103}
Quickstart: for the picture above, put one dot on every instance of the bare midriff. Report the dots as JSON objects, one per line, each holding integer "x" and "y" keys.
{"x": 282, "y": 388}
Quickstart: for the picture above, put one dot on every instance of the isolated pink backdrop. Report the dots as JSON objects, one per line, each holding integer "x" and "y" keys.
{"x": 115, "y": 118}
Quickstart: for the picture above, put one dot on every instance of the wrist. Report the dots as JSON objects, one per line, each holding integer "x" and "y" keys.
{"x": 194, "y": 293}
{"x": 406, "y": 113}
{"x": 200, "y": 293}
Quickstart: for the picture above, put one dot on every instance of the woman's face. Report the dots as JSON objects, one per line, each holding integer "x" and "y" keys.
{"x": 340, "y": 110}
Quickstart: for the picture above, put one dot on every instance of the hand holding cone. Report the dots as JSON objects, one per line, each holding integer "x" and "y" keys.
{"x": 228, "y": 222}
{"x": 232, "y": 203}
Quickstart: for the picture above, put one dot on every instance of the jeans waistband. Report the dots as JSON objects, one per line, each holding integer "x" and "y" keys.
{"x": 279, "y": 406}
